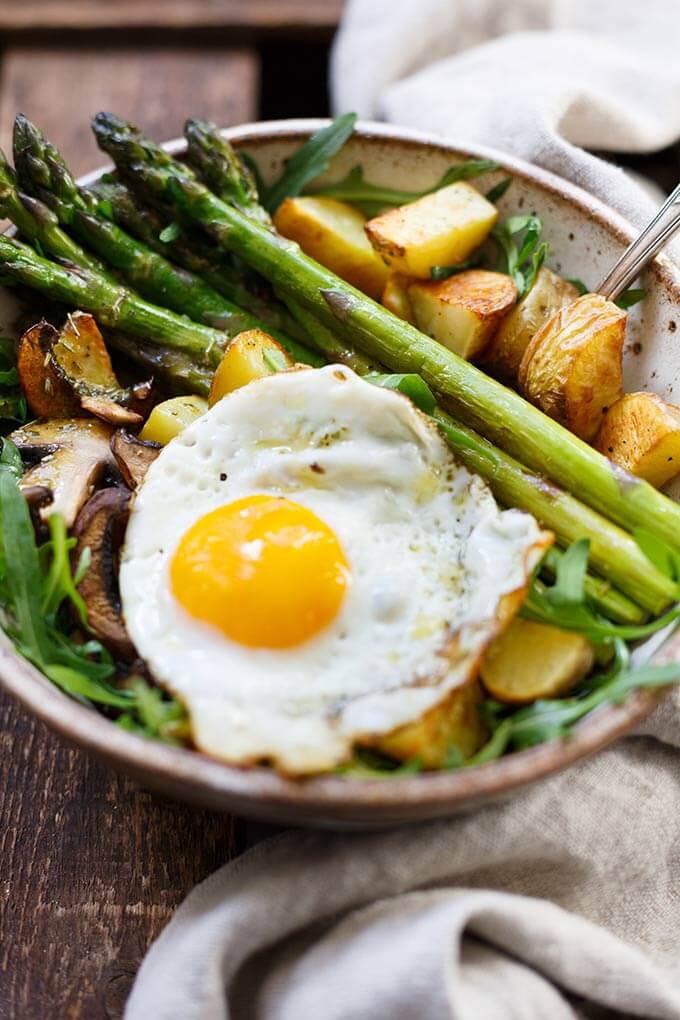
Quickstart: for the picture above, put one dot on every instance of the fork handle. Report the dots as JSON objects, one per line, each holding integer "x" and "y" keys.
{"x": 643, "y": 248}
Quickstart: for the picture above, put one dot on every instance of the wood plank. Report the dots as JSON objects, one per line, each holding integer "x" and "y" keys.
{"x": 92, "y": 870}
{"x": 158, "y": 88}
{"x": 88, "y": 15}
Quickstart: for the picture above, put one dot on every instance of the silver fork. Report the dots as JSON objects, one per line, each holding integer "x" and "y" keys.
{"x": 658, "y": 231}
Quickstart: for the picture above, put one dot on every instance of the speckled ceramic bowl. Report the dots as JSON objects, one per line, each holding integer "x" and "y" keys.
{"x": 585, "y": 238}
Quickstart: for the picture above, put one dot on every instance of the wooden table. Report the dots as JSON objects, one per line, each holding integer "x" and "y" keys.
{"x": 91, "y": 867}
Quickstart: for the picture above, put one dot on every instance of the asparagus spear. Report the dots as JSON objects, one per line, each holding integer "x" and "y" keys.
{"x": 38, "y": 224}
{"x": 503, "y": 415}
{"x": 116, "y": 202}
{"x": 179, "y": 370}
{"x": 220, "y": 168}
{"x": 43, "y": 172}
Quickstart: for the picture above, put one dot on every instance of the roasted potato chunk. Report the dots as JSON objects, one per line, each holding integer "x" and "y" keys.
{"x": 252, "y": 354}
{"x": 439, "y": 229}
{"x": 332, "y": 232}
{"x": 463, "y": 312}
{"x": 171, "y": 417}
{"x": 396, "y": 299}
{"x": 503, "y": 355}
{"x": 572, "y": 368}
{"x": 641, "y": 433}
{"x": 535, "y": 660}
{"x": 455, "y": 723}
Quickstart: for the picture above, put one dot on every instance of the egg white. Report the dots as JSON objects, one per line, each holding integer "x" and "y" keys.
{"x": 430, "y": 553}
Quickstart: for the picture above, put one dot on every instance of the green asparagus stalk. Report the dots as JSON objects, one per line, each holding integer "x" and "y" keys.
{"x": 219, "y": 167}
{"x": 481, "y": 401}
{"x": 116, "y": 202}
{"x": 38, "y": 224}
{"x": 149, "y": 273}
{"x": 180, "y": 371}
{"x": 112, "y": 304}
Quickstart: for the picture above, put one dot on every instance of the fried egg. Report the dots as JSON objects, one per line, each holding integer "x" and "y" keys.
{"x": 308, "y": 567}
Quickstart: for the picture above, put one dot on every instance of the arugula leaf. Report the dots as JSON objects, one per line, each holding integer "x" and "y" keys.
{"x": 553, "y": 719}
{"x": 371, "y": 199}
{"x": 626, "y": 300}
{"x": 310, "y": 160}
{"x": 367, "y": 763}
{"x": 631, "y": 297}
{"x": 521, "y": 259}
{"x": 36, "y": 583}
{"x": 494, "y": 194}
{"x": 564, "y": 604}
{"x": 410, "y": 384}
{"x": 661, "y": 555}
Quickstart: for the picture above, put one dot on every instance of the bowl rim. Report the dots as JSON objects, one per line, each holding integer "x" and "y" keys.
{"x": 419, "y": 796}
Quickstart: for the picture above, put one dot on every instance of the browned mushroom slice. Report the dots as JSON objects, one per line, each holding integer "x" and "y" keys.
{"x": 134, "y": 456}
{"x": 81, "y": 360}
{"x": 100, "y": 527}
{"x": 47, "y": 395}
{"x": 68, "y": 456}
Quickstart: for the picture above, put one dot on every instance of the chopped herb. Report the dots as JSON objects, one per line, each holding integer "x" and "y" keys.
{"x": 170, "y": 233}
{"x": 494, "y": 194}
{"x": 630, "y": 297}
{"x": 310, "y": 160}
{"x": 521, "y": 259}
{"x": 371, "y": 199}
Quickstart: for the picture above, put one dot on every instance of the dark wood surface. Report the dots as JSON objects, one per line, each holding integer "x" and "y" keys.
{"x": 91, "y": 867}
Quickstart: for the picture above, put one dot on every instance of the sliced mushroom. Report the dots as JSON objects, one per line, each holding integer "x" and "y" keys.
{"x": 65, "y": 373}
{"x": 38, "y": 497}
{"x": 100, "y": 527}
{"x": 134, "y": 456}
{"x": 68, "y": 456}
{"x": 81, "y": 360}
{"x": 47, "y": 395}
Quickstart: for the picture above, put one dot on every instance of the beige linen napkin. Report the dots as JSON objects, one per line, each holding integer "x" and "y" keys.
{"x": 565, "y": 900}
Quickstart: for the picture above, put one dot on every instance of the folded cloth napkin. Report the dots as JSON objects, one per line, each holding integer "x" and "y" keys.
{"x": 565, "y": 900}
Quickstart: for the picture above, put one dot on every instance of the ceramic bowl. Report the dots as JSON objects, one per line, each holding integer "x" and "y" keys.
{"x": 585, "y": 238}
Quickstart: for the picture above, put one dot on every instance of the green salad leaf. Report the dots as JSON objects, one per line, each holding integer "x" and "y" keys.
{"x": 410, "y": 384}
{"x": 310, "y": 161}
{"x": 630, "y": 297}
{"x": 37, "y": 585}
{"x": 521, "y": 252}
{"x": 494, "y": 194}
{"x": 444, "y": 272}
{"x": 372, "y": 199}
{"x": 565, "y": 603}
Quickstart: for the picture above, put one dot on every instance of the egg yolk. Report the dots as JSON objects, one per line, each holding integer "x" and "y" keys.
{"x": 264, "y": 570}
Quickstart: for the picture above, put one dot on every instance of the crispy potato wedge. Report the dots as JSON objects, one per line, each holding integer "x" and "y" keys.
{"x": 641, "y": 433}
{"x": 455, "y": 723}
{"x": 534, "y": 660}
{"x": 439, "y": 229}
{"x": 503, "y": 355}
{"x": 171, "y": 417}
{"x": 47, "y": 395}
{"x": 572, "y": 368}
{"x": 395, "y": 297}
{"x": 250, "y": 355}
{"x": 463, "y": 312}
{"x": 332, "y": 232}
